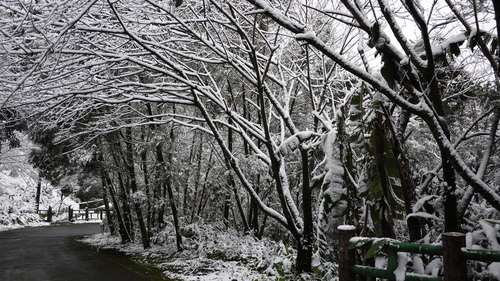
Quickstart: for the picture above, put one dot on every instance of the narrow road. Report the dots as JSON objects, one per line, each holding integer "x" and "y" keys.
{"x": 50, "y": 254}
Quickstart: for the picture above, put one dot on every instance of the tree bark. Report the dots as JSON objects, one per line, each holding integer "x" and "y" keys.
{"x": 109, "y": 216}
{"x": 496, "y": 7}
{"x": 387, "y": 222}
{"x": 126, "y": 211}
{"x": 200, "y": 202}
{"x": 167, "y": 186}
{"x": 232, "y": 184}
{"x": 171, "y": 198}
{"x": 193, "y": 156}
{"x": 147, "y": 186}
{"x": 305, "y": 245}
{"x": 38, "y": 192}
{"x": 129, "y": 163}
{"x": 122, "y": 228}
{"x": 405, "y": 173}
{"x": 160, "y": 182}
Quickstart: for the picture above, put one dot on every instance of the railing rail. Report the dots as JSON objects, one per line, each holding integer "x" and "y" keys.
{"x": 87, "y": 214}
{"x": 453, "y": 250}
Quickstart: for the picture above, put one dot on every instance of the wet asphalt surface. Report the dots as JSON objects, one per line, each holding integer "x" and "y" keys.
{"x": 51, "y": 254}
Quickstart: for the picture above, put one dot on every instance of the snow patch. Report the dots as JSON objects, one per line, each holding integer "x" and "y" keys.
{"x": 346, "y": 227}
{"x": 400, "y": 271}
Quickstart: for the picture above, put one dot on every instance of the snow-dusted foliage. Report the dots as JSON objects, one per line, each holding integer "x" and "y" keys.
{"x": 17, "y": 198}
{"x": 214, "y": 253}
{"x": 333, "y": 196}
{"x": 18, "y": 187}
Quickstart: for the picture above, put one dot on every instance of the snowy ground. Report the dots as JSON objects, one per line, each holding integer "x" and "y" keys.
{"x": 17, "y": 199}
{"x": 212, "y": 255}
{"x": 18, "y": 186}
{"x": 16, "y": 226}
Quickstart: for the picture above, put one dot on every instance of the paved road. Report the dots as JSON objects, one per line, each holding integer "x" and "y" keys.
{"x": 50, "y": 254}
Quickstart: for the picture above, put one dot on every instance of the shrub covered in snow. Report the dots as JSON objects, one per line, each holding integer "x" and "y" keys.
{"x": 18, "y": 187}
{"x": 213, "y": 253}
{"x": 17, "y": 199}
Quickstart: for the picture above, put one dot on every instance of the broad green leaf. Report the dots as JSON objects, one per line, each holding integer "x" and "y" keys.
{"x": 492, "y": 222}
{"x": 359, "y": 242}
{"x": 375, "y": 249}
{"x": 319, "y": 272}
{"x": 374, "y": 186}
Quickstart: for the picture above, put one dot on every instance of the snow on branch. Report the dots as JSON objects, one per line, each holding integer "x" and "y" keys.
{"x": 291, "y": 143}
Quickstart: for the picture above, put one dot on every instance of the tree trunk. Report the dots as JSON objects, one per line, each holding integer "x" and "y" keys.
{"x": 305, "y": 245}
{"x": 127, "y": 213}
{"x": 197, "y": 178}
{"x": 246, "y": 228}
{"x": 178, "y": 235}
{"x": 123, "y": 195}
{"x": 387, "y": 221}
{"x": 38, "y": 192}
{"x": 160, "y": 183}
{"x": 405, "y": 173}
{"x": 496, "y": 7}
{"x": 226, "y": 209}
{"x": 171, "y": 198}
{"x": 197, "y": 208}
{"x": 109, "y": 217}
{"x": 231, "y": 183}
{"x": 167, "y": 186}
{"x": 451, "y": 222}
{"x": 194, "y": 171}
{"x": 123, "y": 230}
{"x": 147, "y": 186}
{"x": 254, "y": 210}
{"x": 129, "y": 163}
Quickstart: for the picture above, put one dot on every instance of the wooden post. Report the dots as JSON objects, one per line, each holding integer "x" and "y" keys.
{"x": 38, "y": 191}
{"x": 347, "y": 257}
{"x": 455, "y": 267}
{"x": 87, "y": 214}
{"x": 49, "y": 214}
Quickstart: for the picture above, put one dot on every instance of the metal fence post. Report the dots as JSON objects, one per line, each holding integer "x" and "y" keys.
{"x": 347, "y": 258}
{"x": 455, "y": 267}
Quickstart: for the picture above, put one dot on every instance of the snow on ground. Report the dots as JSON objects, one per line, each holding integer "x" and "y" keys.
{"x": 211, "y": 255}
{"x": 17, "y": 200}
{"x": 16, "y": 226}
{"x": 18, "y": 185}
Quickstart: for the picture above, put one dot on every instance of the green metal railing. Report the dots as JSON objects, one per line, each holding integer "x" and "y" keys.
{"x": 392, "y": 250}
{"x": 454, "y": 254}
